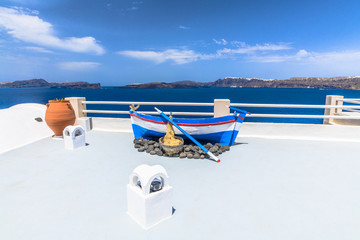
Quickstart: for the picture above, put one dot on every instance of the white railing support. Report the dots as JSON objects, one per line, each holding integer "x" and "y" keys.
{"x": 78, "y": 106}
{"x": 333, "y": 100}
{"x": 221, "y": 107}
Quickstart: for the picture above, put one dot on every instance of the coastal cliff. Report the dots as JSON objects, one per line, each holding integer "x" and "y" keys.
{"x": 326, "y": 83}
{"x": 179, "y": 84}
{"x": 44, "y": 84}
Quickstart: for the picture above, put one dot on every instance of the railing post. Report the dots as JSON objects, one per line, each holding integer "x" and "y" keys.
{"x": 221, "y": 107}
{"x": 78, "y": 106}
{"x": 333, "y": 100}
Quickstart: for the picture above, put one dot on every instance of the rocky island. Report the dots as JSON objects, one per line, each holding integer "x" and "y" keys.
{"x": 44, "y": 84}
{"x": 352, "y": 83}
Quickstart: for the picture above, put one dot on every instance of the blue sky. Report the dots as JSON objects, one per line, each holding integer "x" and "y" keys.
{"x": 117, "y": 42}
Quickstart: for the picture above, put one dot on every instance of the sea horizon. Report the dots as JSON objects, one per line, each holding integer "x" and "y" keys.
{"x": 13, "y": 96}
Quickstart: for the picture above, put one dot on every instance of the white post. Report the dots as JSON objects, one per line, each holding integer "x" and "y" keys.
{"x": 221, "y": 107}
{"x": 78, "y": 106}
{"x": 333, "y": 100}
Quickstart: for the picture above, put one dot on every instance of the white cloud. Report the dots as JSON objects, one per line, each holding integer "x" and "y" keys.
{"x": 238, "y": 43}
{"x": 183, "y": 27}
{"x": 335, "y": 59}
{"x": 246, "y": 49}
{"x": 26, "y": 11}
{"x": 37, "y": 49}
{"x": 29, "y": 28}
{"x": 78, "y": 66}
{"x": 220, "y": 42}
{"x": 173, "y": 55}
{"x": 187, "y": 56}
{"x": 133, "y": 8}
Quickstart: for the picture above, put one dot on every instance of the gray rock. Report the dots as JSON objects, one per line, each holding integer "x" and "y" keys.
{"x": 151, "y": 142}
{"x": 148, "y": 150}
{"x": 138, "y": 140}
{"x": 216, "y": 153}
{"x": 141, "y": 149}
{"x": 176, "y": 155}
{"x": 202, "y": 156}
{"x": 159, "y": 153}
{"x": 152, "y": 152}
{"x": 227, "y": 148}
{"x": 182, "y": 155}
{"x": 137, "y": 145}
{"x": 156, "y": 145}
{"x": 189, "y": 155}
{"x": 213, "y": 149}
{"x": 196, "y": 155}
{"x": 218, "y": 145}
{"x": 187, "y": 149}
{"x": 208, "y": 145}
{"x": 157, "y": 150}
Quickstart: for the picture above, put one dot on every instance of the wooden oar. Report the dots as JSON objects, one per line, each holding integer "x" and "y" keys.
{"x": 188, "y": 135}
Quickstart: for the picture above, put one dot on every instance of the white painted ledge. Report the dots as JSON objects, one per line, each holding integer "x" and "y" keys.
{"x": 313, "y": 132}
{"x": 18, "y": 126}
{"x": 318, "y": 132}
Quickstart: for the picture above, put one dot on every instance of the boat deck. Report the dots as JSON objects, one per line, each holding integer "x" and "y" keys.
{"x": 262, "y": 189}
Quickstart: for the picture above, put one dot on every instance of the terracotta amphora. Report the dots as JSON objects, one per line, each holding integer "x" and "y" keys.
{"x": 59, "y": 114}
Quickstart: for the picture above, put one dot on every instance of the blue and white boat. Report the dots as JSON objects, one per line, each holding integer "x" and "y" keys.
{"x": 223, "y": 130}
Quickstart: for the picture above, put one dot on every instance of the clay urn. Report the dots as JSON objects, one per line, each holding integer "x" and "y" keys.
{"x": 59, "y": 114}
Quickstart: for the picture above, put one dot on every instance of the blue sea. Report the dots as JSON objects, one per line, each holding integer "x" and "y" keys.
{"x": 13, "y": 96}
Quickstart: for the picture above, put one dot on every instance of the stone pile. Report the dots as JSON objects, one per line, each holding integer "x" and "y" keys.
{"x": 190, "y": 150}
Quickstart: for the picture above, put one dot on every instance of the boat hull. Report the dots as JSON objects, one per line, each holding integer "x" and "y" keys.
{"x": 221, "y": 130}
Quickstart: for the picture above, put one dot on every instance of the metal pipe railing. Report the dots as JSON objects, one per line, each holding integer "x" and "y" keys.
{"x": 212, "y": 114}
{"x": 352, "y": 101}
{"x": 150, "y": 112}
{"x": 148, "y": 103}
{"x": 350, "y": 108}
{"x": 212, "y": 104}
{"x": 288, "y": 106}
{"x": 303, "y": 116}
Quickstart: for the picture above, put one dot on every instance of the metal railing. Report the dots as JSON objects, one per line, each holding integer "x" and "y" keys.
{"x": 353, "y": 108}
{"x": 338, "y": 107}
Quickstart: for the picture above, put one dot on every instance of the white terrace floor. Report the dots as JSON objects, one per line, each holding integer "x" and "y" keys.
{"x": 282, "y": 185}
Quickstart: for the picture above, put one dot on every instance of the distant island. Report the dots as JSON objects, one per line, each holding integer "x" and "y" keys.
{"x": 352, "y": 83}
{"x": 44, "y": 84}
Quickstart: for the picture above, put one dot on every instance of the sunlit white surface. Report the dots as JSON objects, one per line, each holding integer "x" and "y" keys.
{"x": 262, "y": 189}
